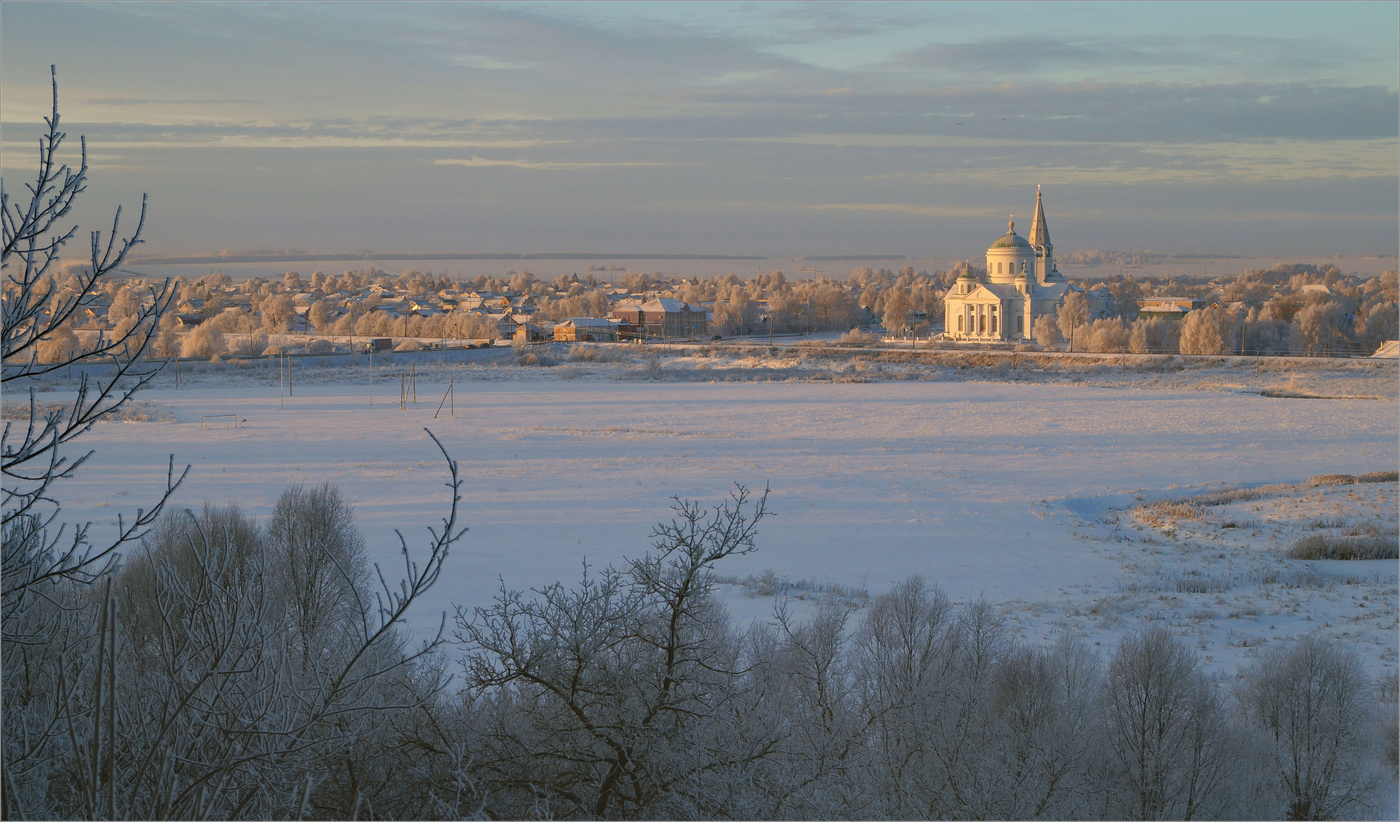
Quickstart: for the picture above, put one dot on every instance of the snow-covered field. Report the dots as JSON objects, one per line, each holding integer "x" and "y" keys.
{"x": 987, "y": 481}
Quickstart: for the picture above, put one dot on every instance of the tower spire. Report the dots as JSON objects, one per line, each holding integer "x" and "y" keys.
{"x": 1040, "y": 233}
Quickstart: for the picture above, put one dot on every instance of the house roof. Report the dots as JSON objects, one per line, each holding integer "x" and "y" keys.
{"x": 666, "y": 304}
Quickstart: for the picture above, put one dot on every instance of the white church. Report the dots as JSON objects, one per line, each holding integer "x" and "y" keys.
{"x": 1020, "y": 285}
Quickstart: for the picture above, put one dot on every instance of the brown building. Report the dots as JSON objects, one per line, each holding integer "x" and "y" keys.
{"x": 664, "y": 319}
{"x": 586, "y": 329}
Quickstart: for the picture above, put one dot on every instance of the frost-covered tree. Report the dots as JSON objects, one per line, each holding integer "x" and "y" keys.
{"x": 1164, "y": 732}
{"x": 1312, "y": 702}
{"x": 1380, "y": 322}
{"x": 617, "y": 697}
{"x": 1073, "y": 314}
{"x": 277, "y": 313}
{"x": 1153, "y": 336}
{"x": 1047, "y": 331}
{"x": 1266, "y": 337}
{"x": 1107, "y": 336}
{"x": 896, "y": 310}
{"x": 1322, "y": 329}
{"x": 58, "y": 639}
{"x": 204, "y": 340}
{"x": 317, "y": 566}
{"x": 39, "y": 556}
{"x": 1207, "y": 331}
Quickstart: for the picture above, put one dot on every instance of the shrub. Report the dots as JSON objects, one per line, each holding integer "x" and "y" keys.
{"x": 584, "y": 352}
{"x": 1332, "y": 479}
{"x": 857, "y": 336}
{"x": 249, "y": 344}
{"x": 1325, "y": 546}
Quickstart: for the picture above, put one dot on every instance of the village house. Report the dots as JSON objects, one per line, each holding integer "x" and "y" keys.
{"x": 665, "y": 319}
{"x": 586, "y": 329}
{"x": 1167, "y": 308}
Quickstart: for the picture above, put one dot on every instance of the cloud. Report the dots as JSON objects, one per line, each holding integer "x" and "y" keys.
{"x": 909, "y": 210}
{"x": 150, "y": 101}
{"x": 481, "y": 162}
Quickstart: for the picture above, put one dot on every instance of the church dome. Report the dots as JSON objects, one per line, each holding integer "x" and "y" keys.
{"x": 967, "y": 275}
{"x": 1010, "y": 240}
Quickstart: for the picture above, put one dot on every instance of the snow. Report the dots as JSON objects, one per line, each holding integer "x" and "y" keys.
{"x": 1018, "y": 491}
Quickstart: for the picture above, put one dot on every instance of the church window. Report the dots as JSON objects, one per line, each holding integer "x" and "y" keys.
{"x": 960, "y": 323}
{"x": 982, "y": 325}
{"x": 994, "y": 323}
{"x": 998, "y": 268}
{"x": 1020, "y": 324}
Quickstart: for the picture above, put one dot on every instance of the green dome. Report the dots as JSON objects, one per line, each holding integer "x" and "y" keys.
{"x": 967, "y": 275}
{"x": 1010, "y": 240}
{"x": 1023, "y": 276}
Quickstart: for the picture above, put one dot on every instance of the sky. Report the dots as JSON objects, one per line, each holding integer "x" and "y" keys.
{"x": 776, "y": 129}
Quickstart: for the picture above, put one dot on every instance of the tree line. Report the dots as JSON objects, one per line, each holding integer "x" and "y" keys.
{"x": 1291, "y": 309}
{"x": 230, "y": 669}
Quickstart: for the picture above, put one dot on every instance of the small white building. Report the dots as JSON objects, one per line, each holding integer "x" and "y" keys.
{"x": 1020, "y": 285}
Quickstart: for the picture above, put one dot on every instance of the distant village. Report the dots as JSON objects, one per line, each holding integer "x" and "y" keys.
{"x": 1287, "y": 310}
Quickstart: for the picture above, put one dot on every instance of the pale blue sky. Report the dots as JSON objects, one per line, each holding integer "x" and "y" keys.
{"x": 731, "y": 128}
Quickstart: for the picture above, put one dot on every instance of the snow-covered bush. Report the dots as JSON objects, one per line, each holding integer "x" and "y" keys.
{"x": 858, "y": 336}
{"x": 585, "y": 352}
{"x": 532, "y": 356}
{"x": 248, "y": 344}
{"x": 1346, "y": 547}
